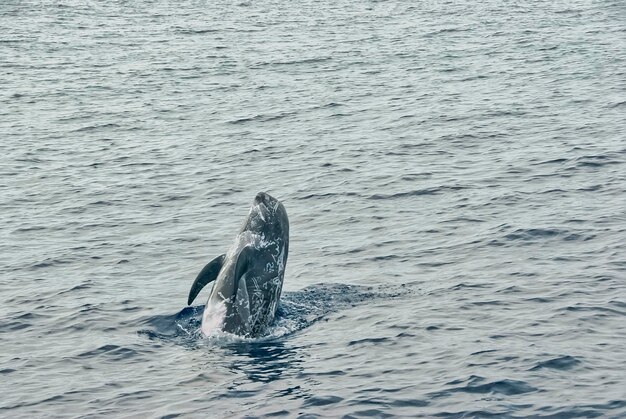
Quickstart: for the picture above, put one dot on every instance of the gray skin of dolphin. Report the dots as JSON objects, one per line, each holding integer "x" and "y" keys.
{"x": 249, "y": 278}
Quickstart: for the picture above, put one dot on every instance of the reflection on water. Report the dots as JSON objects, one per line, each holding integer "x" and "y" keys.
{"x": 265, "y": 361}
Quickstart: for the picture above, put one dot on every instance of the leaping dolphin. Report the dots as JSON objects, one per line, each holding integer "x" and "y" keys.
{"x": 249, "y": 278}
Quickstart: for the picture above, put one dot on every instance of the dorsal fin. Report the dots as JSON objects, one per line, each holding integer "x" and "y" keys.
{"x": 206, "y": 275}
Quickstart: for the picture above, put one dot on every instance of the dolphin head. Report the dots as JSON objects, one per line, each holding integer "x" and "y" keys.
{"x": 267, "y": 217}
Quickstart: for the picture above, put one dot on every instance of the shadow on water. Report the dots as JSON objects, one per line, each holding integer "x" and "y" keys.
{"x": 271, "y": 366}
{"x": 264, "y": 361}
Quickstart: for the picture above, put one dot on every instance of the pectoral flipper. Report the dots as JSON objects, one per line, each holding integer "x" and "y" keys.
{"x": 207, "y": 274}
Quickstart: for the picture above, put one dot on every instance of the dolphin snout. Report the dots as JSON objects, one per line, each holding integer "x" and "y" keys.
{"x": 262, "y": 198}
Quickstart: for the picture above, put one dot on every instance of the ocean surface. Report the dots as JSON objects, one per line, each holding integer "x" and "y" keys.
{"x": 454, "y": 173}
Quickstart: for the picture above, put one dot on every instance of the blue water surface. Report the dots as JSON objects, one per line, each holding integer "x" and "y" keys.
{"x": 453, "y": 172}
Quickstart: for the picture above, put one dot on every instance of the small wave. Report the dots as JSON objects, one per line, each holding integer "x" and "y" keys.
{"x": 553, "y": 161}
{"x": 534, "y": 234}
{"x": 196, "y": 31}
{"x": 597, "y": 160}
{"x": 475, "y": 385}
{"x": 591, "y": 188}
{"x": 78, "y": 287}
{"x": 560, "y": 363}
{"x": 313, "y": 60}
{"x": 29, "y": 229}
{"x": 262, "y": 118}
{"x": 49, "y": 262}
{"x": 484, "y": 352}
{"x": 426, "y": 191}
{"x": 582, "y": 307}
{"x": 12, "y": 326}
{"x": 96, "y": 127}
{"x": 374, "y": 341}
{"x": 328, "y": 105}
{"x": 326, "y": 195}
{"x": 110, "y": 351}
{"x": 322, "y": 400}
{"x": 444, "y": 31}
{"x": 617, "y": 104}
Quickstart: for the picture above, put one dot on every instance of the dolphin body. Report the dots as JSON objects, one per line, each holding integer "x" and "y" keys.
{"x": 249, "y": 278}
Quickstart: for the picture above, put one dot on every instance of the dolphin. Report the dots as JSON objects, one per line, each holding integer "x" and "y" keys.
{"x": 249, "y": 277}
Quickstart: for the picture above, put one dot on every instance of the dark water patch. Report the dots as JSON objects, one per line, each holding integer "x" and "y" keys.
{"x": 388, "y": 257}
{"x": 592, "y": 188}
{"x": 332, "y": 373}
{"x": 541, "y": 300}
{"x": 328, "y": 105}
{"x": 569, "y": 412}
{"x": 463, "y": 286}
{"x": 326, "y": 195}
{"x": 533, "y": 234}
{"x": 50, "y": 262}
{"x": 553, "y": 191}
{"x": 476, "y": 385}
{"x": 578, "y": 237}
{"x": 617, "y": 104}
{"x": 322, "y": 400}
{"x": 186, "y": 31}
{"x": 28, "y": 316}
{"x": 498, "y": 337}
{"x": 140, "y": 164}
{"x": 617, "y": 303}
{"x": 96, "y": 127}
{"x": 464, "y": 220}
{"x": 374, "y": 341}
{"x": 367, "y": 413}
{"x": 484, "y": 352}
{"x": 565, "y": 362}
{"x": 263, "y": 117}
{"x": 30, "y": 229}
{"x": 13, "y": 326}
{"x": 554, "y": 161}
{"x": 275, "y": 414}
{"x": 79, "y": 287}
{"x": 313, "y": 60}
{"x": 590, "y": 164}
{"x": 489, "y": 303}
{"x": 598, "y": 160}
{"x": 113, "y": 352}
{"x": 409, "y": 403}
{"x": 582, "y": 307}
{"x": 426, "y": 191}
{"x": 513, "y": 289}
{"x": 494, "y": 413}
{"x": 445, "y": 31}
{"x": 264, "y": 360}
